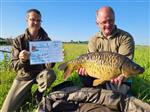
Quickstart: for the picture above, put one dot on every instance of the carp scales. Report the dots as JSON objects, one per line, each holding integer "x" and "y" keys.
{"x": 103, "y": 66}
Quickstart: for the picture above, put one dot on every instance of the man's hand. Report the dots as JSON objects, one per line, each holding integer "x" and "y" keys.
{"x": 24, "y": 55}
{"x": 82, "y": 71}
{"x": 49, "y": 65}
{"x": 118, "y": 79}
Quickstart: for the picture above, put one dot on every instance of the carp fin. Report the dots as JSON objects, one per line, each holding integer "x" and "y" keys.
{"x": 96, "y": 82}
{"x": 62, "y": 66}
{"x": 67, "y": 73}
{"x": 66, "y": 68}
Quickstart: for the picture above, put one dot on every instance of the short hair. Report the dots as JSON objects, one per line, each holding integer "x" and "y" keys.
{"x": 34, "y": 10}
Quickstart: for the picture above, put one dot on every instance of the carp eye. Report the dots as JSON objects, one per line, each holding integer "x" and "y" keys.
{"x": 134, "y": 67}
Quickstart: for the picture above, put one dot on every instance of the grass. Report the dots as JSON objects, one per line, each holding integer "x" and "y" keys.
{"x": 141, "y": 83}
{"x": 140, "y": 87}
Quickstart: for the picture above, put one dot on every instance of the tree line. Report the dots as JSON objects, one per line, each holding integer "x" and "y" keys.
{"x": 7, "y": 41}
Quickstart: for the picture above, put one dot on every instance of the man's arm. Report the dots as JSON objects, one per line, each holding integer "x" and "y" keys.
{"x": 17, "y": 63}
{"x": 127, "y": 46}
{"x": 92, "y": 45}
{"x": 91, "y": 48}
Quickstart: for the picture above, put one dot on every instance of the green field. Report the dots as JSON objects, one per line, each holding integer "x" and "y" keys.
{"x": 141, "y": 83}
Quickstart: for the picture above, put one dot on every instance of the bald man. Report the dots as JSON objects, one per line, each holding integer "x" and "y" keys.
{"x": 109, "y": 38}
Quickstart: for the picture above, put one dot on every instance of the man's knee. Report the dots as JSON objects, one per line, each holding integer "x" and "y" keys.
{"x": 87, "y": 80}
{"x": 52, "y": 75}
{"x": 45, "y": 79}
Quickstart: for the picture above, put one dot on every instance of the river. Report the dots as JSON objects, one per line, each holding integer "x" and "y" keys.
{"x": 4, "y": 50}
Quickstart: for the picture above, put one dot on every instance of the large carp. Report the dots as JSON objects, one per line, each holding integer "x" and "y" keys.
{"x": 102, "y": 65}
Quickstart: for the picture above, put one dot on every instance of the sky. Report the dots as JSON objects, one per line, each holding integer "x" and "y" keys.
{"x": 68, "y": 20}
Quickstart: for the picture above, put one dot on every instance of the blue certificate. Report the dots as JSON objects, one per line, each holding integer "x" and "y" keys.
{"x": 45, "y": 52}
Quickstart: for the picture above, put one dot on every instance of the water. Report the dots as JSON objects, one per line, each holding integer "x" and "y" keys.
{"x": 4, "y": 48}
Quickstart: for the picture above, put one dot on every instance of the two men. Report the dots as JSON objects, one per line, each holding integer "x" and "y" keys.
{"x": 110, "y": 38}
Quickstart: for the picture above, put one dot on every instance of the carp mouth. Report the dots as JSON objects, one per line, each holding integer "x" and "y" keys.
{"x": 141, "y": 70}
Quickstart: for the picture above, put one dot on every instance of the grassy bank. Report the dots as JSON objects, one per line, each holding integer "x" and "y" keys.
{"x": 140, "y": 85}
